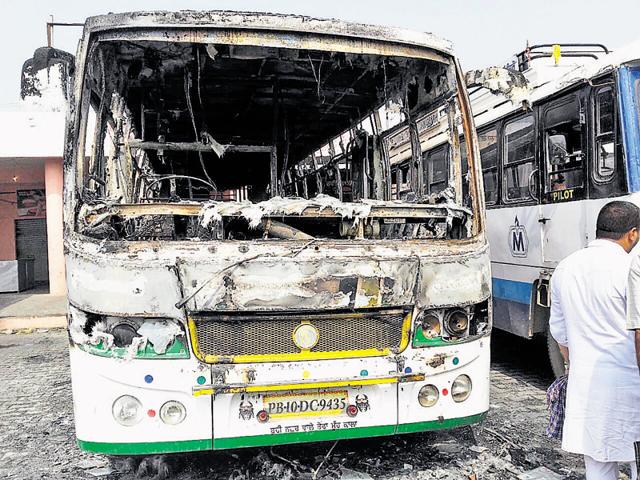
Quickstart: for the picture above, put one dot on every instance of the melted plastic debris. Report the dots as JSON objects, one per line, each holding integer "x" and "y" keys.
{"x": 77, "y": 324}
{"x": 99, "y": 335}
{"x": 160, "y": 333}
{"x": 77, "y": 328}
{"x": 137, "y": 344}
{"x": 213, "y": 212}
{"x": 510, "y": 83}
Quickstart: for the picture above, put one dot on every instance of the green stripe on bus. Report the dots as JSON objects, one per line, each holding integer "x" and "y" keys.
{"x": 302, "y": 437}
{"x": 358, "y": 432}
{"x": 145, "y": 448}
{"x": 437, "y": 425}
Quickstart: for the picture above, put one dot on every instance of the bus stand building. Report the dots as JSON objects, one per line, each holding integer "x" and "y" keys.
{"x": 31, "y": 248}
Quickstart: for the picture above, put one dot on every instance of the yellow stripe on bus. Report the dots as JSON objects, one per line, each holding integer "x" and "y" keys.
{"x": 309, "y": 386}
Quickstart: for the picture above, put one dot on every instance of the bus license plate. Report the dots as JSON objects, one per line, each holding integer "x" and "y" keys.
{"x": 294, "y": 405}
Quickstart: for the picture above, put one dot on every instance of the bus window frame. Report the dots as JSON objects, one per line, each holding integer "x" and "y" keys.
{"x": 464, "y": 171}
{"x": 497, "y": 126}
{"x": 577, "y": 192}
{"x": 504, "y": 165}
{"x": 597, "y": 136}
{"x": 427, "y": 167}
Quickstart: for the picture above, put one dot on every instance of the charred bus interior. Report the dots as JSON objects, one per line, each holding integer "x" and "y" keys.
{"x": 218, "y": 141}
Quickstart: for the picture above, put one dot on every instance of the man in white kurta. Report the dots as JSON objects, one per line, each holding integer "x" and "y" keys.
{"x": 588, "y": 317}
{"x": 633, "y": 303}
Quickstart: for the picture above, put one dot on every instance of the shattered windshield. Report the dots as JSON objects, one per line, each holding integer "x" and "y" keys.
{"x": 222, "y": 142}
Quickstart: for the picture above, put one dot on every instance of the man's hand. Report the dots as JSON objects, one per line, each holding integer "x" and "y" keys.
{"x": 564, "y": 351}
{"x": 638, "y": 347}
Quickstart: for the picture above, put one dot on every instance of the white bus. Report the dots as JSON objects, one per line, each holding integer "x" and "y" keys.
{"x": 239, "y": 273}
{"x": 550, "y": 165}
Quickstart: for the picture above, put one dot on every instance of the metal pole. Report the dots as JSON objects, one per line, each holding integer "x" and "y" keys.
{"x": 52, "y": 24}
{"x": 50, "y": 32}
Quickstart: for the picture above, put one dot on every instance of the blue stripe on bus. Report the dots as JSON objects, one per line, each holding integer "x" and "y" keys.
{"x": 630, "y": 124}
{"x": 519, "y": 292}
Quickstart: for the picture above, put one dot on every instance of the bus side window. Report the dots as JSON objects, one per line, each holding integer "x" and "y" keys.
{"x": 563, "y": 146}
{"x": 604, "y": 155}
{"x": 394, "y": 184}
{"x": 488, "y": 142}
{"x": 404, "y": 183}
{"x": 519, "y": 158}
{"x": 435, "y": 168}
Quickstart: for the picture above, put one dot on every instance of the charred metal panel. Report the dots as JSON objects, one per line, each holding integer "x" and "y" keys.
{"x": 308, "y": 284}
{"x": 101, "y": 283}
{"x": 147, "y": 281}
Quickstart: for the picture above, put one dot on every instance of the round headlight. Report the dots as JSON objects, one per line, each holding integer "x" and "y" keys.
{"x": 305, "y": 336}
{"x": 127, "y": 410}
{"x": 173, "y": 412}
{"x": 461, "y": 388}
{"x": 430, "y": 324}
{"x": 456, "y": 322}
{"x": 428, "y": 395}
{"x": 123, "y": 334}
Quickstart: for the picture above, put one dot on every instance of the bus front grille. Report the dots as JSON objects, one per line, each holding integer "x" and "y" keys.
{"x": 250, "y": 337}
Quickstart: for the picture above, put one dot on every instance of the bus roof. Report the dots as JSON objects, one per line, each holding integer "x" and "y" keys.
{"x": 266, "y": 22}
{"x": 546, "y": 80}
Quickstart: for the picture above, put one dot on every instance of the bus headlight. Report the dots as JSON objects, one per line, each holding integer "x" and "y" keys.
{"x": 173, "y": 412}
{"x": 461, "y": 388}
{"x": 123, "y": 334}
{"x": 445, "y": 326}
{"x": 128, "y": 337}
{"x": 430, "y": 325}
{"x": 127, "y": 410}
{"x": 428, "y": 395}
{"x": 456, "y": 322}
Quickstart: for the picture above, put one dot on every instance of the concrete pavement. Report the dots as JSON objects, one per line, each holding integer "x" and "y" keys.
{"x": 32, "y": 310}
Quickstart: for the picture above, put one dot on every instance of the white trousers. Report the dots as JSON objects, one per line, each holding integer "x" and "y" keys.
{"x": 605, "y": 470}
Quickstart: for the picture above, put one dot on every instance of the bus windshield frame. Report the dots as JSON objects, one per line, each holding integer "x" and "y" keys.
{"x": 110, "y": 207}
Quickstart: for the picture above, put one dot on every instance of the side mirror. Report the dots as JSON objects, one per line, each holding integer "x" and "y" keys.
{"x": 558, "y": 154}
{"x": 44, "y": 58}
{"x": 505, "y": 81}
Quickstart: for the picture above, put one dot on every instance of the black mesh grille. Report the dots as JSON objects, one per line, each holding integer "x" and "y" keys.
{"x": 261, "y": 334}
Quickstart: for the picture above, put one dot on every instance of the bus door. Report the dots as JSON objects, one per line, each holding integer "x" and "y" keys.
{"x": 512, "y": 219}
{"x": 563, "y": 218}
{"x": 607, "y": 179}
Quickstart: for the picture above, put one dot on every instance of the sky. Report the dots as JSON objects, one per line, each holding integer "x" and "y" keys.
{"x": 484, "y": 32}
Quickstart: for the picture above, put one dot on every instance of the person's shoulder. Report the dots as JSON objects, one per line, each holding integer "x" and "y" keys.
{"x": 572, "y": 258}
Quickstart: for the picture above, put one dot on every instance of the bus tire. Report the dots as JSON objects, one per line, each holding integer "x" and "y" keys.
{"x": 555, "y": 357}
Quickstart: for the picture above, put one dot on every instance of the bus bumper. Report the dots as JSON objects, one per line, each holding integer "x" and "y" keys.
{"x": 368, "y": 402}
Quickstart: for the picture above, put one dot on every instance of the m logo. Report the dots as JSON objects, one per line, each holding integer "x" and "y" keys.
{"x": 518, "y": 241}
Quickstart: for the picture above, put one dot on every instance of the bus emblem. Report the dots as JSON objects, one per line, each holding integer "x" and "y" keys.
{"x": 518, "y": 241}
{"x": 245, "y": 411}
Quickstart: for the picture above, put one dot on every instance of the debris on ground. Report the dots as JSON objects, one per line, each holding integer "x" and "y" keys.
{"x": 540, "y": 473}
{"x": 100, "y": 472}
{"x": 509, "y": 446}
